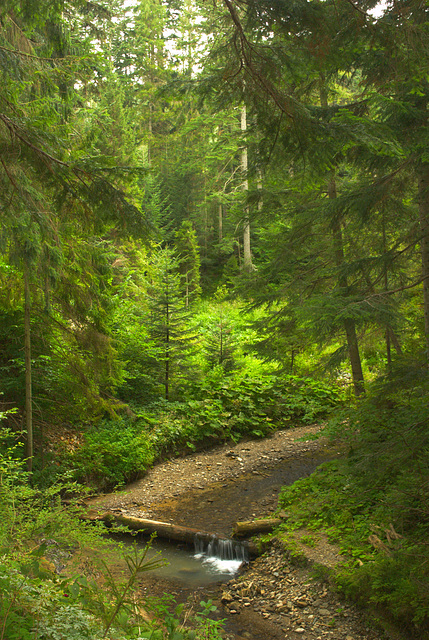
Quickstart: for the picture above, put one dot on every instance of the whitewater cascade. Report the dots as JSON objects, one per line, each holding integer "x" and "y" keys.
{"x": 221, "y": 554}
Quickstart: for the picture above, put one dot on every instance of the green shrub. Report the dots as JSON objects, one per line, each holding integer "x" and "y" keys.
{"x": 237, "y": 405}
{"x": 375, "y": 501}
{"x": 38, "y": 603}
{"x": 398, "y": 582}
{"x": 113, "y": 453}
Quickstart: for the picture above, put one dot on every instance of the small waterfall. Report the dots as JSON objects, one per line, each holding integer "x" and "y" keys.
{"x": 221, "y": 553}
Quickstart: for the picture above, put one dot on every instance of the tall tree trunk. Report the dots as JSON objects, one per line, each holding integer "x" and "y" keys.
{"x": 247, "y": 255}
{"x": 28, "y": 383}
{"x": 386, "y": 288}
{"x": 349, "y": 323}
{"x": 167, "y": 353}
{"x": 423, "y": 195}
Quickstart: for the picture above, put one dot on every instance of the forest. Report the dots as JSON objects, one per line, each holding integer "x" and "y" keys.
{"x": 214, "y": 225}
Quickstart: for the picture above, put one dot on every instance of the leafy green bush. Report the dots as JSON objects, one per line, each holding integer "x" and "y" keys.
{"x": 229, "y": 407}
{"x": 375, "y": 502}
{"x": 38, "y": 603}
{"x": 397, "y": 581}
{"x": 381, "y": 566}
{"x": 224, "y": 407}
{"x": 237, "y": 405}
{"x": 113, "y": 453}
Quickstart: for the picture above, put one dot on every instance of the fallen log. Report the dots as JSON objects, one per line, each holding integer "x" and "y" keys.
{"x": 164, "y": 530}
{"x": 253, "y": 527}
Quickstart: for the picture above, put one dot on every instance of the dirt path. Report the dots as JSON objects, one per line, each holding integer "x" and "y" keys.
{"x": 213, "y": 489}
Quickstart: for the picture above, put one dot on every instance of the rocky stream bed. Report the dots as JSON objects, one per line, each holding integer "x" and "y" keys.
{"x": 272, "y": 598}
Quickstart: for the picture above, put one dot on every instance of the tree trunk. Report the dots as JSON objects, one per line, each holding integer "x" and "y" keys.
{"x": 349, "y": 323}
{"x": 167, "y": 355}
{"x": 164, "y": 530}
{"x": 393, "y": 338}
{"x": 423, "y": 194}
{"x": 252, "y": 527}
{"x": 28, "y": 383}
{"x": 247, "y": 254}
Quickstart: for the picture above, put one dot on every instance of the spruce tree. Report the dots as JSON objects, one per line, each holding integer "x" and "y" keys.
{"x": 189, "y": 261}
{"x": 168, "y": 322}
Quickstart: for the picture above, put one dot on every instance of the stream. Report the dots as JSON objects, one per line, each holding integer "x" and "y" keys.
{"x": 189, "y": 567}
{"x": 212, "y": 490}
{"x": 216, "y": 508}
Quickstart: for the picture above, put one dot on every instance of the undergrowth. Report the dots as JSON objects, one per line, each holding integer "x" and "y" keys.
{"x": 41, "y": 601}
{"x": 374, "y": 503}
{"x": 224, "y": 408}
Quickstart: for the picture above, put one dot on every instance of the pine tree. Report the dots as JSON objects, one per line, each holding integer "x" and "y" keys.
{"x": 52, "y": 199}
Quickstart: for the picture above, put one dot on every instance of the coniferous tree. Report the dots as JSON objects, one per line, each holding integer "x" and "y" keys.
{"x": 189, "y": 261}
{"x": 55, "y": 204}
{"x": 220, "y": 342}
{"x": 168, "y": 322}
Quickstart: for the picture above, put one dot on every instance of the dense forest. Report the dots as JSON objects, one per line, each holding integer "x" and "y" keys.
{"x": 214, "y": 224}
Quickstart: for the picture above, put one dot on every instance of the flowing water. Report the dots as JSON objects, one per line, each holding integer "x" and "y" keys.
{"x": 217, "y": 561}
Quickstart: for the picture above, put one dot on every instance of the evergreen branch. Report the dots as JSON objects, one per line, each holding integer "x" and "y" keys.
{"x": 390, "y": 292}
{"x": 246, "y": 49}
{"x": 361, "y": 11}
{"x": 14, "y": 130}
{"x": 36, "y": 57}
{"x": 11, "y": 178}
{"x": 276, "y": 137}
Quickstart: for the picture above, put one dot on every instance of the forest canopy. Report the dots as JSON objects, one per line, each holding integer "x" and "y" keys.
{"x": 215, "y": 223}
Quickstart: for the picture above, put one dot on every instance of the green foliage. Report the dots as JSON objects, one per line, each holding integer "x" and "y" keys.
{"x": 168, "y": 322}
{"x": 397, "y": 582}
{"x": 113, "y": 453}
{"x": 389, "y": 443}
{"x": 382, "y": 565}
{"x": 38, "y": 536}
{"x": 374, "y": 502}
{"x": 235, "y": 406}
{"x": 37, "y": 604}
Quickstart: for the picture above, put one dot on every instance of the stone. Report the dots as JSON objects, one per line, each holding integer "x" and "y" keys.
{"x": 299, "y": 630}
{"x": 301, "y": 602}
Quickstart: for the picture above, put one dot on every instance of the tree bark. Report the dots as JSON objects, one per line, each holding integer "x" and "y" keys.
{"x": 220, "y": 218}
{"x": 252, "y": 527}
{"x": 247, "y": 253}
{"x": 349, "y": 323}
{"x": 423, "y": 195}
{"x": 163, "y": 530}
{"x": 27, "y": 357}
